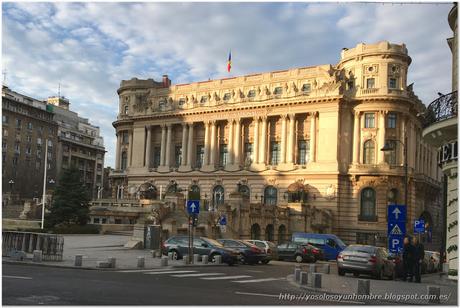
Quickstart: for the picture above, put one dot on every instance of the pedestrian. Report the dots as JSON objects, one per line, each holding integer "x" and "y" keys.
{"x": 408, "y": 259}
{"x": 419, "y": 255}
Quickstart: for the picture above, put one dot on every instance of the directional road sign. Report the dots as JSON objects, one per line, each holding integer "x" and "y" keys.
{"x": 396, "y": 228}
{"x": 397, "y": 213}
{"x": 193, "y": 206}
{"x": 223, "y": 220}
{"x": 419, "y": 226}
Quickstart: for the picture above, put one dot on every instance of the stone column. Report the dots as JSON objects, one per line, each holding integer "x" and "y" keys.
{"x": 168, "y": 146}
{"x": 255, "y": 147}
{"x": 206, "y": 144}
{"x": 148, "y": 149}
{"x": 130, "y": 148}
{"x": 381, "y": 138}
{"x": 283, "y": 139}
{"x": 356, "y": 137}
{"x": 230, "y": 142}
{"x": 163, "y": 145}
{"x": 313, "y": 137}
{"x": 291, "y": 140}
{"x": 190, "y": 147}
{"x": 118, "y": 154}
{"x": 402, "y": 139}
{"x": 237, "y": 160}
{"x": 263, "y": 142}
{"x": 213, "y": 144}
{"x": 184, "y": 144}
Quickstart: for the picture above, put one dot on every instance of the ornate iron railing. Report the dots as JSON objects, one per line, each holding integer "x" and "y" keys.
{"x": 444, "y": 107}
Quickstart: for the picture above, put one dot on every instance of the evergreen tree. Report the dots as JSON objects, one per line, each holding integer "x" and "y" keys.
{"x": 70, "y": 200}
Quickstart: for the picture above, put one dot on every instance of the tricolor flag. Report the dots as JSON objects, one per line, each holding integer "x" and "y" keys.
{"x": 229, "y": 63}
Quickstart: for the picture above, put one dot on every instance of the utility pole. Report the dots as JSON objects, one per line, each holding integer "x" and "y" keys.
{"x": 44, "y": 184}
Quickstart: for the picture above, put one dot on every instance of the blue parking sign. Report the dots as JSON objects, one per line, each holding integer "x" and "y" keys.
{"x": 193, "y": 206}
{"x": 419, "y": 226}
{"x": 395, "y": 243}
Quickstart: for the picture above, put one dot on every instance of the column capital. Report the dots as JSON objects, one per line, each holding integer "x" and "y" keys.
{"x": 291, "y": 116}
{"x": 163, "y": 126}
{"x": 190, "y": 123}
{"x": 357, "y": 113}
{"x": 169, "y": 125}
{"x": 264, "y": 118}
{"x": 256, "y": 118}
{"x": 283, "y": 116}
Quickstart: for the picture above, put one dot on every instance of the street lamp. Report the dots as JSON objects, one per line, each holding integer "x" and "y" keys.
{"x": 386, "y": 148}
{"x": 11, "y": 182}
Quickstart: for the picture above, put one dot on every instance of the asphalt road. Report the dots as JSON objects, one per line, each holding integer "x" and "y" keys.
{"x": 237, "y": 285}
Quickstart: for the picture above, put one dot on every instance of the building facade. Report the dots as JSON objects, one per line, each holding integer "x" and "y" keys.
{"x": 441, "y": 131}
{"x": 284, "y": 151}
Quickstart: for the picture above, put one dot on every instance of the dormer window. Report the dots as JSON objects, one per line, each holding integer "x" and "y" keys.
{"x": 203, "y": 99}
{"x": 392, "y": 83}
{"x": 306, "y": 87}
{"x": 227, "y": 96}
{"x": 278, "y": 91}
{"x": 252, "y": 93}
{"x": 181, "y": 101}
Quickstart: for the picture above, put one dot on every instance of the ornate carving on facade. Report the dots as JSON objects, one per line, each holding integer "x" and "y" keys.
{"x": 331, "y": 192}
{"x": 141, "y": 103}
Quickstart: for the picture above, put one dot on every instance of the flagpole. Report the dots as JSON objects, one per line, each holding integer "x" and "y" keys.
{"x": 44, "y": 184}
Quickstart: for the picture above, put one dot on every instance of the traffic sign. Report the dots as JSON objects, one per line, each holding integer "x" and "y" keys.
{"x": 397, "y": 213}
{"x": 193, "y": 206}
{"x": 395, "y": 243}
{"x": 419, "y": 226}
{"x": 223, "y": 220}
{"x": 396, "y": 228}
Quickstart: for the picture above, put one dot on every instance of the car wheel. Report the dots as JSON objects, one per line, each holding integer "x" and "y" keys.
{"x": 213, "y": 257}
{"x": 265, "y": 261}
{"x": 175, "y": 255}
{"x": 341, "y": 272}
{"x": 241, "y": 259}
{"x": 298, "y": 259}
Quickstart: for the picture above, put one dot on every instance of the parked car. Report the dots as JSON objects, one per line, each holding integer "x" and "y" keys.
{"x": 330, "y": 244}
{"x": 248, "y": 252}
{"x": 434, "y": 259}
{"x": 269, "y": 248}
{"x": 398, "y": 262}
{"x": 178, "y": 246}
{"x": 366, "y": 259}
{"x": 297, "y": 252}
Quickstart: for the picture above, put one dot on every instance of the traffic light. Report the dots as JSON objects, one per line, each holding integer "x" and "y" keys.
{"x": 195, "y": 220}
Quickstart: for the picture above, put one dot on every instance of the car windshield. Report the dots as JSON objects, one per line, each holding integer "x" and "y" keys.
{"x": 365, "y": 249}
{"x": 212, "y": 242}
{"x": 340, "y": 243}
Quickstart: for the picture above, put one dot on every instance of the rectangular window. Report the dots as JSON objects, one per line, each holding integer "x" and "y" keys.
{"x": 4, "y": 119}
{"x": 125, "y": 137}
{"x": 370, "y": 83}
{"x": 278, "y": 91}
{"x": 17, "y": 148}
{"x": 303, "y": 152}
{"x": 178, "y": 155}
{"x": 248, "y": 152}
{"x": 227, "y": 96}
{"x": 96, "y": 220}
{"x": 156, "y": 157}
{"x": 199, "y": 155}
{"x": 5, "y": 132}
{"x": 30, "y": 126}
{"x": 274, "y": 153}
{"x": 39, "y": 141}
{"x": 306, "y": 87}
{"x": 50, "y": 144}
{"x": 4, "y": 145}
{"x": 29, "y": 138}
{"x": 391, "y": 121}
{"x": 18, "y": 123}
{"x": 28, "y": 150}
{"x": 251, "y": 93}
{"x": 15, "y": 160}
{"x": 392, "y": 83}
{"x": 365, "y": 238}
{"x": 38, "y": 164}
{"x": 223, "y": 155}
{"x": 369, "y": 120}
{"x": 390, "y": 156}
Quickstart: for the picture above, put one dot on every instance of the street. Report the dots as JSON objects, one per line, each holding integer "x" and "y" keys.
{"x": 238, "y": 285}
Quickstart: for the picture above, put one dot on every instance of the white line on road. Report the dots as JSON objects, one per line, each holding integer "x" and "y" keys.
{"x": 16, "y": 277}
{"x": 198, "y": 275}
{"x": 259, "y": 280}
{"x": 168, "y": 272}
{"x": 225, "y": 277}
{"x": 144, "y": 270}
{"x": 258, "y": 294}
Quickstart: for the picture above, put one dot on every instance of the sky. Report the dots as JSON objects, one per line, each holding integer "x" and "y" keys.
{"x": 89, "y": 47}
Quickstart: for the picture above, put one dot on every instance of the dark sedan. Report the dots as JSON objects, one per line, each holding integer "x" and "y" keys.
{"x": 249, "y": 253}
{"x": 297, "y": 252}
{"x": 178, "y": 246}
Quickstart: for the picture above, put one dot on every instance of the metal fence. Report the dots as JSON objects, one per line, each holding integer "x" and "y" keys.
{"x": 51, "y": 245}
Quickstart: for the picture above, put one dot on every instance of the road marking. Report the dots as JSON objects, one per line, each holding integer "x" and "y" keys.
{"x": 168, "y": 272}
{"x": 198, "y": 275}
{"x": 16, "y": 277}
{"x": 226, "y": 277}
{"x": 145, "y": 270}
{"x": 252, "y": 271}
{"x": 258, "y": 294}
{"x": 259, "y": 280}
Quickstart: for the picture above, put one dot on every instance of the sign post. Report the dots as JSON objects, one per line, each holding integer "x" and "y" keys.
{"x": 396, "y": 227}
{"x": 193, "y": 208}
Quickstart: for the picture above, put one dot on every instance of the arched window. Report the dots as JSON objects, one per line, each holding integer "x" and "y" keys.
{"x": 255, "y": 232}
{"x": 126, "y": 109}
{"x": 194, "y": 193}
{"x": 368, "y": 205}
{"x": 244, "y": 191}
{"x": 270, "y": 195}
{"x": 269, "y": 233}
{"x": 369, "y": 152}
{"x": 124, "y": 160}
{"x": 218, "y": 195}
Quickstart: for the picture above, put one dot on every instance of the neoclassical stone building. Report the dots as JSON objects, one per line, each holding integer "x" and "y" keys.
{"x": 279, "y": 152}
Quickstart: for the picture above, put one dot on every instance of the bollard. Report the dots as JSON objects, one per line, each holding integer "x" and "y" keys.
{"x": 196, "y": 258}
{"x": 303, "y": 278}
{"x": 364, "y": 287}
{"x": 434, "y": 294}
{"x": 164, "y": 261}
{"x": 78, "y": 260}
{"x": 326, "y": 268}
{"x": 297, "y": 274}
{"x": 312, "y": 268}
{"x": 38, "y": 256}
{"x": 158, "y": 254}
{"x": 186, "y": 260}
{"x": 316, "y": 281}
{"x": 204, "y": 259}
{"x": 218, "y": 259}
{"x": 112, "y": 261}
{"x": 140, "y": 262}
{"x": 170, "y": 256}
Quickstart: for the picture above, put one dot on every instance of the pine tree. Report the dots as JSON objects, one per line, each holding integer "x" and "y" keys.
{"x": 70, "y": 201}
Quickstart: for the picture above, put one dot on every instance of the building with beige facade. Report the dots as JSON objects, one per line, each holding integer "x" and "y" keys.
{"x": 278, "y": 152}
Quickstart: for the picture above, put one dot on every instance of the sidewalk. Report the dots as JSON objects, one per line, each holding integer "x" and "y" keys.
{"x": 334, "y": 284}
{"x": 99, "y": 248}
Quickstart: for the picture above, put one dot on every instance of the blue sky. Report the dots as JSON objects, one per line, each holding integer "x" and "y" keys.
{"x": 90, "y": 47}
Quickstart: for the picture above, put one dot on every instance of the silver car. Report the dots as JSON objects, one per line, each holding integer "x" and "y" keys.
{"x": 269, "y": 248}
{"x": 366, "y": 259}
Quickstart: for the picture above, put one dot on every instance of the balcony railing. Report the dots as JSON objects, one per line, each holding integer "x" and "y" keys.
{"x": 443, "y": 108}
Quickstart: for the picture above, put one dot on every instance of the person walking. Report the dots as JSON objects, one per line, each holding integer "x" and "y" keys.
{"x": 408, "y": 260}
{"x": 419, "y": 255}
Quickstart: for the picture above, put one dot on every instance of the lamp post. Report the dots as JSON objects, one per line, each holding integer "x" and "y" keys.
{"x": 11, "y": 182}
{"x": 386, "y": 148}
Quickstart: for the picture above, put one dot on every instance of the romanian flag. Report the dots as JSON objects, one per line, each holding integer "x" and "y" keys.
{"x": 229, "y": 63}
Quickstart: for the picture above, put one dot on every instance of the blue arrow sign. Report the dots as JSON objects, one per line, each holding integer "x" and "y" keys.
{"x": 419, "y": 226}
{"x": 193, "y": 206}
{"x": 397, "y": 213}
{"x": 223, "y": 220}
